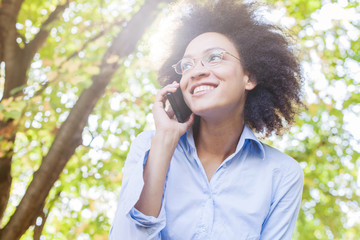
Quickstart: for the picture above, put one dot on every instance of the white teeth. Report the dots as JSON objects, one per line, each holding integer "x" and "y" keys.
{"x": 203, "y": 88}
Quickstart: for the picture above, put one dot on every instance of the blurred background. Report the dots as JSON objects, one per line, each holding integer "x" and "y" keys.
{"x": 77, "y": 81}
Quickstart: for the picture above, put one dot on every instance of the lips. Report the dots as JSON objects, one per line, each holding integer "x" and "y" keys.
{"x": 202, "y": 88}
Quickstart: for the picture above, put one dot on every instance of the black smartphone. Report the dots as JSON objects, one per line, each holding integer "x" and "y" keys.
{"x": 181, "y": 110}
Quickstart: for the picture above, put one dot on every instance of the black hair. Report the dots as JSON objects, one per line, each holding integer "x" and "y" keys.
{"x": 266, "y": 55}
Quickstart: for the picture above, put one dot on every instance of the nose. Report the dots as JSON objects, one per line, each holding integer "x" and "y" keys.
{"x": 199, "y": 71}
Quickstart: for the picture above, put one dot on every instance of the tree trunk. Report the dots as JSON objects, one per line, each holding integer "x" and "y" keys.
{"x": 15, "y": 72}
{"x": 8, "y": 134}
{"x": 17, "y": 62}
{"x": 15, "y": 76}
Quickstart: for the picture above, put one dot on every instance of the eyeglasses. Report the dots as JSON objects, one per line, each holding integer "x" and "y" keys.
{"x": 211, "y": 59}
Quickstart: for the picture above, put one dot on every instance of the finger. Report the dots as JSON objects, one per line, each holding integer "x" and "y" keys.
{"x": 161, "y": 95}
{"x": 190, "y": 121}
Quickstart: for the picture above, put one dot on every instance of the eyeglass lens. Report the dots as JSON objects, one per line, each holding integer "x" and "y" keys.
{"x": 210, "y": 59}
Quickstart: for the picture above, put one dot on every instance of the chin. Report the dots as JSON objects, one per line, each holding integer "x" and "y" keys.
{"x": 205, "y": 111}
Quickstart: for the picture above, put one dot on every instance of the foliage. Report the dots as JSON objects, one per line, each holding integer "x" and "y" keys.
{"x": 83, "y": 200}
{"x": 325, "y": 140}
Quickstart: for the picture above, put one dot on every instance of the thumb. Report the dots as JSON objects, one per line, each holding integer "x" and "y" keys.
{"x": 190, "y": 121}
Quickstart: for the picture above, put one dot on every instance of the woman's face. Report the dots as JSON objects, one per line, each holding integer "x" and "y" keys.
{"x": 216, "y": 91}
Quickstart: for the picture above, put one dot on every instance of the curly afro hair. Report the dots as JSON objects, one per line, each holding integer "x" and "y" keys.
{"x": 265, "y": 53}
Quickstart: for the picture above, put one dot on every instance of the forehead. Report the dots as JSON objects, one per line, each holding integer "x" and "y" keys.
{"x": 209, "y": 40}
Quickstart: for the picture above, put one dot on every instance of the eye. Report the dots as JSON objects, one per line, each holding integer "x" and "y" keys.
{"x": 186, "y": 64}
{"x": 214, "y": 57}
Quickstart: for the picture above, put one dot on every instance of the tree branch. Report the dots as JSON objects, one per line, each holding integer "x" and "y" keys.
{"x": 8, "y": 134}
{"x": 34, "y": 45}
{"x": 7, "y": 131}
{"x": 75, "y": 53}
{"x": 17, "y": 6}
{"x": 69, "y": 136}
{"x": 44, "y": 216}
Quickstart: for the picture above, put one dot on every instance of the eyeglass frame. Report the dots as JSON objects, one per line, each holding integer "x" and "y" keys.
{"x": 222, "y": 51}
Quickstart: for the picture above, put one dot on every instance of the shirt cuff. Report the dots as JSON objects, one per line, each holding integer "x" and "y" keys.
{"x": 147, "y": 221}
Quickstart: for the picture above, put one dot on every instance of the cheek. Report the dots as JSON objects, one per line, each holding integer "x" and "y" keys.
{"x": 227, "y": 74}
{"x": 183, "y": 84}
{"x": 238, "y": 75}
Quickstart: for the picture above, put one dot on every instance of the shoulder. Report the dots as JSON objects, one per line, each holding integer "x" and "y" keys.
{"x": 281, "y": 161}
{"x": 140, "y": 144}
{"x": 143, "y": 137}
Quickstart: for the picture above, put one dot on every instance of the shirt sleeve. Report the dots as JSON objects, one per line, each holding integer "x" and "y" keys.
{"x": 129, "y": 223}
{"x": 281, "y": 219}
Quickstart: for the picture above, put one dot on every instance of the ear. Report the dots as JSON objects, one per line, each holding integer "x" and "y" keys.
{"x": 250, "y": 84}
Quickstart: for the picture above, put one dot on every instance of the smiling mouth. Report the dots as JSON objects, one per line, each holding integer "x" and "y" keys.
{"x": 203, "y": 88}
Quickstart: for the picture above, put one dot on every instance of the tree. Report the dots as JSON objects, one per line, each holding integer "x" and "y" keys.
{"x": 322, "y": 139}
{"x": 63, "y": 121}
{"x": 16, "y": 54}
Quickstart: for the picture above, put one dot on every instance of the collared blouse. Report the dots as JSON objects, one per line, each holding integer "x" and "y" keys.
{"x": 254, "y": 194}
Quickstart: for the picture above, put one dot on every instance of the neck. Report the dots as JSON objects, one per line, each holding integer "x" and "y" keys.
{"x": 219, "y": 139}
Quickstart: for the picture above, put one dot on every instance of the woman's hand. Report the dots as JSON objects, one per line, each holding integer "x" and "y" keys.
{"x": 165, "y": 119}
{"x": 163, "y": 144}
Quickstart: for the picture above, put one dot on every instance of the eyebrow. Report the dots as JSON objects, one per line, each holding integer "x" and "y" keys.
{"x": 205, "y": 51}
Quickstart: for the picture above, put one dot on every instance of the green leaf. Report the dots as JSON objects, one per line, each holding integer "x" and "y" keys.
{"x": 13, "y": 114}
{"x": 17, "y": 89}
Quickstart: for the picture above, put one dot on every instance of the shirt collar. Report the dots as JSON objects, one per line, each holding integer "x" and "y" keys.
{"x": 247, "y": 136}
{"x": 257, "y": 147}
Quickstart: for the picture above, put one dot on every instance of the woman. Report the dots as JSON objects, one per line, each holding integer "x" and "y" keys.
{"x": 210, "y": 177}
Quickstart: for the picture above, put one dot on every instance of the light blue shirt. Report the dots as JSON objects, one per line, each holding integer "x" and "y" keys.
{"x": 254, "y": 194}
